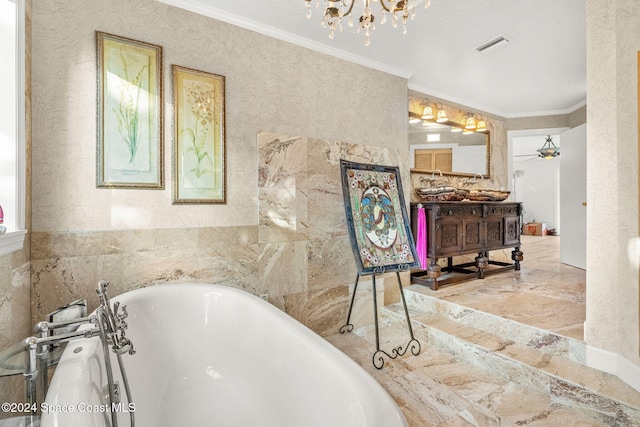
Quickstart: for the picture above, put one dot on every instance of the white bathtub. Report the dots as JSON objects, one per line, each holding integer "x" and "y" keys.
{"x": 212, "y": 355}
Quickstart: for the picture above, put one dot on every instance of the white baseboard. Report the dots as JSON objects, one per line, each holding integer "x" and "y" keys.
{"x": 615, "y": 364}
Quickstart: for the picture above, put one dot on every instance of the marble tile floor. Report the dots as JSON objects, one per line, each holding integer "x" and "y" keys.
{"x": 545, "y": 293}
{"x": 491, "y": 357}
{"x": 438, "y": 388}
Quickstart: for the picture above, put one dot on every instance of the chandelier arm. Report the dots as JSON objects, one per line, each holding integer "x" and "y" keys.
{"x": 387, "y": 8}
{"x": 350, "y": 7}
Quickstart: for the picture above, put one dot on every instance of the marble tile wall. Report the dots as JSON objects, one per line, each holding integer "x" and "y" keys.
{"x": 301, "y": 205}
{"x": 15, "y": 322}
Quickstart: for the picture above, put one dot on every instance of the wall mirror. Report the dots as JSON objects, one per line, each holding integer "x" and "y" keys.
{"x": 448, "y": 148}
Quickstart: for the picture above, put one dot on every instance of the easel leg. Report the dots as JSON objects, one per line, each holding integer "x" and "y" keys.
{"x": 414, "y": 344}
{"x": 348, "y": 327}
{"x": 404, "y": 304}
{"x": 375, "y": 315}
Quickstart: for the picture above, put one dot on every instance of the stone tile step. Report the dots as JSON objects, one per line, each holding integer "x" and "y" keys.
{"x": 551, "y": 352}
{"x": 510, "y": 330}
{"x": 437, "y": 388}
{"x": 563, "y": 380}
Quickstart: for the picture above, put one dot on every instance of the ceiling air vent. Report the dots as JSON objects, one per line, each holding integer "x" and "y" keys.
{"x": 493, "y": 44}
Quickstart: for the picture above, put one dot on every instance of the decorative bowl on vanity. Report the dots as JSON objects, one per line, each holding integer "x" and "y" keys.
{"x": 488, "y": 195}
{"x": 442, "y": 194}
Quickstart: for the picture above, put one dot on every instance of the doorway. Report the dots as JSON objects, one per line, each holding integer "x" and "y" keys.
{"x": 536, "y": 183}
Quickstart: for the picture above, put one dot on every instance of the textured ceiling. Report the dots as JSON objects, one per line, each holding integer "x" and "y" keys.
{"x": 541, "y": 71}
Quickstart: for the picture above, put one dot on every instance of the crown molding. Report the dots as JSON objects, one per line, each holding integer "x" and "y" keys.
{"x": 569, "y": 110}
{"x": 487, "y": 109}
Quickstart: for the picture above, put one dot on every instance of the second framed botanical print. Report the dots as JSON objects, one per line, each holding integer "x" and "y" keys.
{"x": 199, "y": 137}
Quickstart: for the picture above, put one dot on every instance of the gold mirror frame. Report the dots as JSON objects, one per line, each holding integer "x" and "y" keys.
{"x": 485, "y": 175}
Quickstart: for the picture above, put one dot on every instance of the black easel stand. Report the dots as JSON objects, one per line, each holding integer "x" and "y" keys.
{"x": 378, "y": 356}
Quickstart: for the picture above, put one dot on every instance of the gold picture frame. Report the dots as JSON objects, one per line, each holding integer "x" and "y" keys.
{"x": 129, "y": 113}
{"x": 199, "y": 161}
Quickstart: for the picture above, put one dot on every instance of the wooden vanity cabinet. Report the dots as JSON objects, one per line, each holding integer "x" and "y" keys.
{"x": 461, "y": 228}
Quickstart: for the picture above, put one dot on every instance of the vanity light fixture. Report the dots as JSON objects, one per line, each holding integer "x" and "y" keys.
{"x": 549, "y": 149}
{"x": 335, "y": 10}
{"x": 427, "y": 112}
{"x": 414, "y": 118}
{"x": 470, "y": 123}
{"x": 442, "y": 115}
{"x": 482, "y": 126}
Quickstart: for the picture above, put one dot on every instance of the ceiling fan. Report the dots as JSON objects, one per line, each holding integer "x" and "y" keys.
{"x": 547, "y": 152}
{"x": 532, "y": 156}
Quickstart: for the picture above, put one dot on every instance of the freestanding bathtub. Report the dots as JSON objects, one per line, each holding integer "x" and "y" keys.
{"x": 212, "y": 355}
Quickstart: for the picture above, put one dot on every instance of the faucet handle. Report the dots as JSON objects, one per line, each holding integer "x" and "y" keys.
{"x": 122, "y": 314}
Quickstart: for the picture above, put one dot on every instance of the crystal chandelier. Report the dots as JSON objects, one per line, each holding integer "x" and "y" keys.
{"x": 335, "y": 10}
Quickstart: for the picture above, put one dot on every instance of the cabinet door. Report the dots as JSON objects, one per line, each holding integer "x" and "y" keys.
{"x": 457, "y": 236}
{"x": 474, "y": 235}
{"x": 449, "y": 237}
{"x": 434, "y": 159}
{"x": 495, "y": 230}
{"x": 511, "y": 230}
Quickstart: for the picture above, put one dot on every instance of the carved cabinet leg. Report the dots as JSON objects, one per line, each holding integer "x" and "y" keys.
{"x": 433, "y": 272}
{"x": 482, "y": 262}
{"x": 517, "y": 256}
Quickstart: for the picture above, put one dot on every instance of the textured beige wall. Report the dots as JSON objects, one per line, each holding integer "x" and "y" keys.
{"x": 538, "y": 122}
{"x": 573, "y": 119}
{"x": 578, "y": 117}
{"x": 137, "y": 238}
{"x": 613, "y": 38}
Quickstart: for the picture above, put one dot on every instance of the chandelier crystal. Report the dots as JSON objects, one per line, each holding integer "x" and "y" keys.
{"x": 336, "y": 10}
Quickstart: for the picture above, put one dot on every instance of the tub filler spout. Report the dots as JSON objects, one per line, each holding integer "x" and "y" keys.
{"x": 113, "y": 321}
{"x": 107, "y": 324}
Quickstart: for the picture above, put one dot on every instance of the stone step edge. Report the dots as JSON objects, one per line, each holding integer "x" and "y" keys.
{"x": 546, "y": 341}
{"x": 544, "y": 382}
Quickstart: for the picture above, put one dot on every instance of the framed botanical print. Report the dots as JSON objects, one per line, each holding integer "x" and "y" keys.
{"x": 129, "y": 113}
{"x": 199, "y": 137}
{"x": 377, "y": 218}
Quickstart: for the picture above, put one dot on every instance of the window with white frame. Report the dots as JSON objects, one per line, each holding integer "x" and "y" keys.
{"x": 12, "y": 144}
